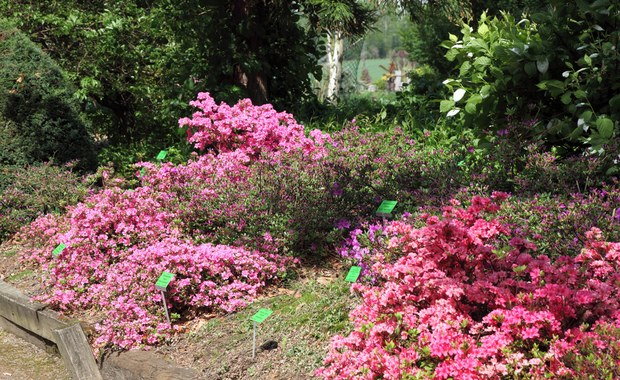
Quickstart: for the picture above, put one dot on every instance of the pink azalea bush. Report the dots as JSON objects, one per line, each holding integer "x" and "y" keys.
{"x": 247, "y": 128}
{"x": 459, "y": 298}
{"x": 205, "y": 221}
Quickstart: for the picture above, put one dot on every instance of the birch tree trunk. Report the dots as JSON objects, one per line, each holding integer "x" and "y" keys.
{"x": 335, "y": 51}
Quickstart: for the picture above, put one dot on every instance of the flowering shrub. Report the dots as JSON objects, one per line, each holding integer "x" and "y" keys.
{"x": 462, "y": 299}
{"x": 559, "y": 223}
{"x": 205, "y": 221}
{"x": 247, "y": 128}
{"x": 371, "y": 167}
{"x": 118, "y": 242}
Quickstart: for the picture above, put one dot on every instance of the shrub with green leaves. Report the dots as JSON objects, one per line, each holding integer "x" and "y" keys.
{"x": 495, "y": 64}
{"x": 30, "y": 191}
{"x": 557, "y": 67}
{"x": 39, "y": 118}
{"x": 582, "y": 40}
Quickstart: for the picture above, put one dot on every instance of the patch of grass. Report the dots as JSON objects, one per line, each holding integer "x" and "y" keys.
{"x": 374, "y": 67}
{"x": 9, "y": 253}
{"x": 19, "y": 275}
{"x": 302, "y": 323}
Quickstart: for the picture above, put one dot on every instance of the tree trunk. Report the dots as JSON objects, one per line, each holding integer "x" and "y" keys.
{"x": 255, "y": 81}
{"x": 335, "y": 52}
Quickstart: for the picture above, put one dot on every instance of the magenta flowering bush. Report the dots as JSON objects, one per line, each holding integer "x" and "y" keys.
{"x": 247, "y": 128}
{"x": 207, "y": 221}
{"x": 462, "y": 299}
{"x": 118, "y": 243}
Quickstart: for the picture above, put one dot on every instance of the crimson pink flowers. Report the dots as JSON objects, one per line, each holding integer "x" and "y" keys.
{"x": 463, "y": 301}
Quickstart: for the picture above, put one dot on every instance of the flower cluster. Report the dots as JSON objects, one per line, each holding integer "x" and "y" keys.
{"x": 464, "y": 300}
{"x": 247, "y": 128}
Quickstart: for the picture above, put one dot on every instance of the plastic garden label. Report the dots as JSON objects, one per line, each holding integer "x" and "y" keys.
{"x": 162, "y": 155}
{"x": 386, "y": 207}
{"x": 261, "y": 315}
{"x": 353, "y": 274}
{"x": 58, "y": 249}
{"x": 163, "y": 281}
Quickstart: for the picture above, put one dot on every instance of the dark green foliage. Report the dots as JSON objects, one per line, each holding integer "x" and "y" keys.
{"x": 582, "y": 39}
{"x": 39, "y": 118}
{"x": 27, "y": 192}
{"x": 422, "y": 39}
{"x": 417, "y": 102}
{"x": 136, "y": 64}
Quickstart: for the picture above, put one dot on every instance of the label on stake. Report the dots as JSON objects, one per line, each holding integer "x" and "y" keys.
{"x": 353, "y": 274}
{"x": 261, "y": 315}
{"x": 386, "y": 207}
{"x": 163, "y": 281}
{"x": 162, "y": 155}
{"x": 61, "y": 247}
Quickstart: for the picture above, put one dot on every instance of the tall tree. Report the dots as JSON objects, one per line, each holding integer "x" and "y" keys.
{"x": 338, "y": 19}
{"x": 136, "y": 63}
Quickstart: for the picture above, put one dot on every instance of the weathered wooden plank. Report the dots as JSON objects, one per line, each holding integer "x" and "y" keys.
{"x": 76, "y": 353}
{"x": 17, "y": 308}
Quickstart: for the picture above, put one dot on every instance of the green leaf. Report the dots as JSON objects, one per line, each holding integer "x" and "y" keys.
{"x": 470, "y": 107}
{"x": 614, "y": 103}
{"x": 574, "y": 135}
{"x": 519, "y": 269}
{"x": 446, "y": 105}
{"x": 483, "y": 29}
{"x": 605, "y": 127}
{"x": 581, "y": 94}
{"x": 586, "y": 116}
{"x": 530, "y": 69}
{"x": 567, "y": 97}
{"x": 587, "y": 60}
{"x": 485, "y": 90}
{"x": 452, "y": 54}
{"x": 482, "y": 62}
{"x": 555, "y": 87}
{"x": 452, "y": 37}
{"x": 465, "y": 67}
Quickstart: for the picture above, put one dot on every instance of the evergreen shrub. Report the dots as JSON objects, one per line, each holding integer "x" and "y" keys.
{"x": 39, "y": 117}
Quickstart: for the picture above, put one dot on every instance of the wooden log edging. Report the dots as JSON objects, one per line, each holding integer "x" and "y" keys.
{"x": 56, "y": 334}
{"x": 32, "y": 322}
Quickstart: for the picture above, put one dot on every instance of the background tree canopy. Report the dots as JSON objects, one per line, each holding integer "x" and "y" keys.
{"x": 136, "y": 64}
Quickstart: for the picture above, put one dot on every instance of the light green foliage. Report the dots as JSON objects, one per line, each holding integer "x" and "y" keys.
{"x": 495, "y": 63}
{"x": 558, "y": 71}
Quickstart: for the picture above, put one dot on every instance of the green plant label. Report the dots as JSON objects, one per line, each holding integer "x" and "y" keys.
{"x": 163, "y": 281}
{"x": 261, "y": 315}
{"x": 353, "y": 274}
{"x": 386, "y": 207}
{"x": 162, "y": 155}
{"x": 58, "y": 249}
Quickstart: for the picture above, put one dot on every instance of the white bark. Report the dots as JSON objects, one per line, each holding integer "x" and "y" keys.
{"x": 335, "y": 52}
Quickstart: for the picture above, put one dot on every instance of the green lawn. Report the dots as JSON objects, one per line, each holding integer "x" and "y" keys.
{"x": 373, "y": 67}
